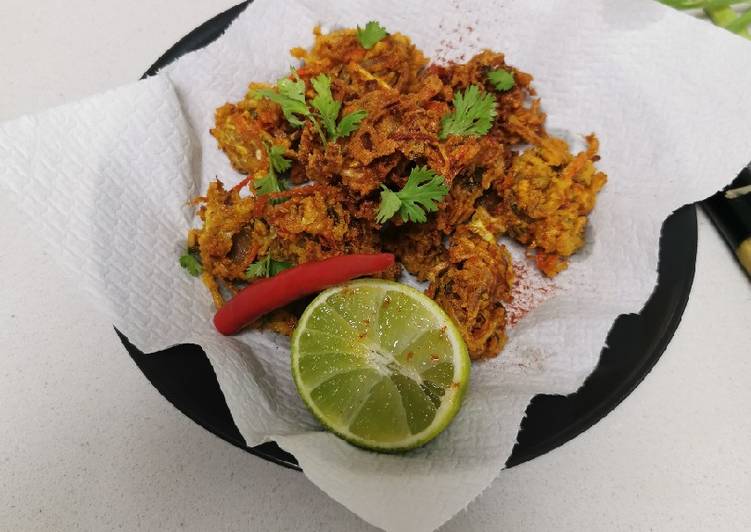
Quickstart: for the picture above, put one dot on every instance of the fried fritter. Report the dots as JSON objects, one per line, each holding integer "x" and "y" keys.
{"x": 515, "y": 181}
{"x": 419, "y": 247}
{"x": 232, "y": 235}
{"x": 472, "y": 287}
{"x": 241, "y": 129}
{"x": 546, "y": 201}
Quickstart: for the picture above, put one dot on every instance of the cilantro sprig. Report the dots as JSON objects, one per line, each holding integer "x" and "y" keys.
{"x": 350, "y": 122}
{"x": 270, "y": 183}
{"x": 473, "y": 114}
{"x": 266, "y": 267}
{"x": 502, "y": 80}
{"x": 422, "y": 193}
{"x": 371, "y": 34}
{"x": 328, "y": 109}
{"x": 191, "y": 263}
{"x": 290, "y": 95}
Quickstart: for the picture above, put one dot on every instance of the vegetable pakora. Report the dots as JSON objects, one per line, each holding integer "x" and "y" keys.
{"x": 366, "y": 147}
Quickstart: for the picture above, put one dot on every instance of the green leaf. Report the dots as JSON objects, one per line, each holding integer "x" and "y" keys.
{"x": 390, "y": 205}
{"x": 266, "y": 267}
{"x": 270, "y": 183}
{"x": 474, "y": 112}
{"x": 371, "y": 34}
{"x": 423, "y": 191}
{"x": 421, "y": 194}
{"x": 277, "y": 266}
{"x": 324, "y": 103}
{"x": 349, "y": 123}
{"x": 290, "y": 96}
{"x": 501, "y": 80}
{"x": 328, "y": 109}
{"x": 191, "y": 263}
{"x": 259, "y": 268}
{"x": 276, "y": 159}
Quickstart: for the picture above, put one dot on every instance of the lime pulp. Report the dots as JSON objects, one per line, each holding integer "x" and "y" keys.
{"x": 380, "y": 364}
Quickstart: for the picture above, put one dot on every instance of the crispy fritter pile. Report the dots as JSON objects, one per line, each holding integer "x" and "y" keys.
{"x": 516, "y": 181}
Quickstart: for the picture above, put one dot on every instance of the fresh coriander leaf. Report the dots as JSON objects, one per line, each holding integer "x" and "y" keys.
{"x": 258, "y": 269}
{"x": 270, "y": 183}
{"x": 277, "y": 161}
{"x": 421, "y": 194}
{"x": 277, "y": 266}
{"x": 390, "y": 205}
{"x": 328, "y": 109}
{"x": 266, "y": 267}
{"x": 501, "y": 79}
{"x": 324, "y": 103}
{"x": 371, "y": 34}
{"x": 191, "y": 263}
{"x": 349, "y": 123}
{"x": 423, "y": 191}
{"x": 291, "y": 98}
{"x": 474, "y": 112}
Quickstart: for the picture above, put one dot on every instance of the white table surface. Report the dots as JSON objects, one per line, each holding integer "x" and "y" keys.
{"x": 87, "y": 443}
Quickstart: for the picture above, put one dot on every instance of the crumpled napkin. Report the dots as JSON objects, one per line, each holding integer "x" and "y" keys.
{"x": 105, "y": 183}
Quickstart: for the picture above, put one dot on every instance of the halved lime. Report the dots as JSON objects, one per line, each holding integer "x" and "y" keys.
{"x": 379, "y": 364}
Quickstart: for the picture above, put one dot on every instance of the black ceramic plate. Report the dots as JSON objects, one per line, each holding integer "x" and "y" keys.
{"x": 183, "y": 375}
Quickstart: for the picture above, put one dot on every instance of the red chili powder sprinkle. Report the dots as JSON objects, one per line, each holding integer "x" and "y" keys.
{"x": 529, "y": 290}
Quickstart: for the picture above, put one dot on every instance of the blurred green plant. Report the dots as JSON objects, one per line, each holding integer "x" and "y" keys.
{"x": 721, "y": 12}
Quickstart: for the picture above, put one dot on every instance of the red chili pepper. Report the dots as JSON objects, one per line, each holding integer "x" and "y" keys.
{"x": 269, "y": 294}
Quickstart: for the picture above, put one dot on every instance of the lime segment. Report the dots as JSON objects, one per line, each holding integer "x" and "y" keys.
{"x": 356, "y": 385}
{"x": 317, "y": 368}
{"x": 379, "y": 364}
{"x": 382, "y": 417}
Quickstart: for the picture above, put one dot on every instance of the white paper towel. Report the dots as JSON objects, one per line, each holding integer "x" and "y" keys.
{"x": 105, "y": 183}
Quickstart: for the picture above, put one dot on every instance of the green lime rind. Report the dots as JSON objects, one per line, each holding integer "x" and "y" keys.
{"x": 388, "y": 404}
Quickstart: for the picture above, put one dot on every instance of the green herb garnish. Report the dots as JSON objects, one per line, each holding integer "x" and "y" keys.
{"x": 474, "y": 112}
{"x": 266, "y": 267}
{"x": 276, "y": 159}
{"x": 371, "y": 34}
{"x": 290, "y": 96}
{"x": 421, "y": 194}
{"x": 328, "y": 109}
{"x": 191, "y": 262}
{"x": 270, "y": 183}
{"x": 349, "y": 123}
{"x": 501, "y": 80}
